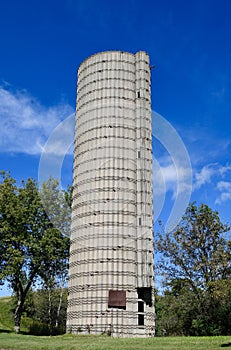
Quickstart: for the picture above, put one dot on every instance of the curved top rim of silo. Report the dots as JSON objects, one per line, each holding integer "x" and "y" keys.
{"x": 110, "y": 51}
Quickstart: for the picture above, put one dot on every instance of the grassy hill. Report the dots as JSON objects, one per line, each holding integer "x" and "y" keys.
{"x": 6, "y": 316}
{"x": 9, "y": 340}
{"x": 89, "y": 342}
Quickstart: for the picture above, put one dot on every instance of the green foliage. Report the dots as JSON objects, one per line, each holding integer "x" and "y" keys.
{"x": 36, "y": 327}
{"x": 175, "y": 310}
{"x": 57, "y": 204}
{"x": 35, "y": 317}
{"x": 50, "y": 309}
{"x": 196, "y": 262}
{"x": 31, "y": 248}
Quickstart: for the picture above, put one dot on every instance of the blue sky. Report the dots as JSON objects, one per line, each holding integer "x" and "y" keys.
{"x": 43, "y": 42}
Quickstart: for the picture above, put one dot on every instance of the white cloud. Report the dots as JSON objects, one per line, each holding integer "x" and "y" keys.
{"x": 225, "y": 188}
{"x": 224, "y": 185}
{"x": 164, "y": 178}
{"x": 208, "y": 172}
{"x": 25, "y": 124}
{"x": 216, "y": 176}
{"x": 224, "y": 169}
{"x": 174, "y": 179}
{"x": 168, "y": 177}
{"x": 204, "y": 176}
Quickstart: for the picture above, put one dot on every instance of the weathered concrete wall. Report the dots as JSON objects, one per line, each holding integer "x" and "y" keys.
{"x": 111, "y": 238}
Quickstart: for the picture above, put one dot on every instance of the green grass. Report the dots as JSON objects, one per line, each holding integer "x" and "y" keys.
{"x": 6, "y": 317}
{"x": 80, "y": 342}
{"x": 9, "y": 340}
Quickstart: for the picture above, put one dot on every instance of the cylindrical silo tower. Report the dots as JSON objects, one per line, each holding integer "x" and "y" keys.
{"x": 111, "y": 256}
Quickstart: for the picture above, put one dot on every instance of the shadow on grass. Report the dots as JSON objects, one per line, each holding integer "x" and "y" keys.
{"x": 5, "y": 330}
{"x": 21, "y": 332}
{"x": 226, "y": 345}
{"x": 2, "y": 330}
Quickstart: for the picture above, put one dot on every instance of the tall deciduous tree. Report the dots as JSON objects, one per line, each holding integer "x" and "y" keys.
{"x": 197, "y": 250}
{"x": 30, "y": 246}
{"x": 196, "y": 255}
{"x": 57, "y": 204}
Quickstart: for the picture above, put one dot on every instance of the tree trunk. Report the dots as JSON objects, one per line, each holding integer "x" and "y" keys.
{"x": 59, "y": 307}
{"x": 49, "y": 309}
{"x": 21, "y": 297}
{"x": 18, "y": 315}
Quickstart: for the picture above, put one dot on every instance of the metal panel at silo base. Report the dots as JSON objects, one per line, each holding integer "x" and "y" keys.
{"x": 110, "y": 288}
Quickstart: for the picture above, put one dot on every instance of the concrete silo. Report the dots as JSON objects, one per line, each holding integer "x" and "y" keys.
{"x": 111, "y": 256}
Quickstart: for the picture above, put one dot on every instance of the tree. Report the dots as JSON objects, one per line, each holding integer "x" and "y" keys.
{"x": 176, "y": 309}
{"x": 57, "y": 204}
{"x": 195, "y": 258}
{"x": 30, "y": 246}
{"x": 50, "y": 308}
